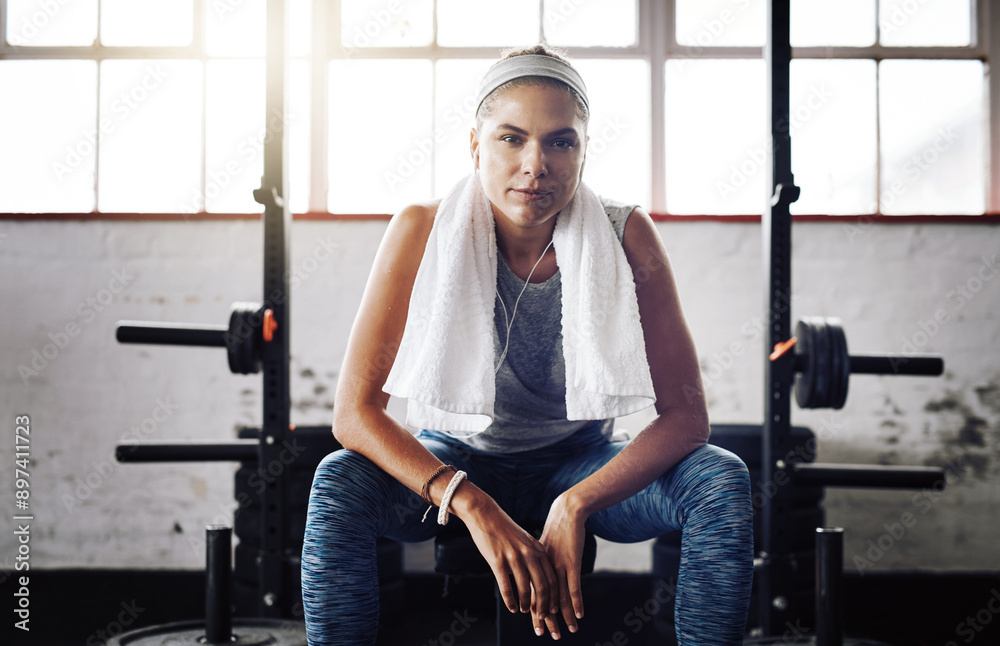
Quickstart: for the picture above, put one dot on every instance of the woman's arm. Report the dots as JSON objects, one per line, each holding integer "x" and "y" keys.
{"x": 680, "y": 426}
{"x": 362, "y": 424}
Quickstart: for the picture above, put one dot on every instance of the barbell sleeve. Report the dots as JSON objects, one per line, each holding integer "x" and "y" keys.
{"x": 218, "y": 571}
{"x": 866, "y": 476}
{"x": 171, "y": 333}
{"x": 188, "y": 451}
{"x": 897, "y": 364}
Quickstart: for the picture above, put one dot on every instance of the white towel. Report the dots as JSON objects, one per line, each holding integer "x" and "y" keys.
{"x": 446, "y": 359}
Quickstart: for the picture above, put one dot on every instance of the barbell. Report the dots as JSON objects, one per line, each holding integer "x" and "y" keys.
{"x": 824, "y": 366}
{"x": 250, "y": 326}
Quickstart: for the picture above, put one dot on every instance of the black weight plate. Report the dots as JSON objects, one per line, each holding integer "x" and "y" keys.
{"x": 821, "y": 378}
{"x": 244, "y": 338}
{"x": 249, "y": 484}
{"x": 804, "y": 354}
{"x": 745, "y": 440}
{"x": 245, "y": 562}
{"x": 807, "y": 641}
{"x": 843, "y": 374}
{"x": 246, "y": 632}
{"x": 247, "y": 526}
{"x": 833, "y": 330}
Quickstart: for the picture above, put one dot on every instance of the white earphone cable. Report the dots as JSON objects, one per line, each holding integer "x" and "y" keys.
{"x": 509, "y": 323}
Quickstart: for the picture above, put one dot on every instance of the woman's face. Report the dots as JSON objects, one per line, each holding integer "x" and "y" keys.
{"x": 530, "y": 153}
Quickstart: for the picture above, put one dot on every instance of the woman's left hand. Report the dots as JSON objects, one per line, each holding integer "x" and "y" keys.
{"x": 563, "y": 539}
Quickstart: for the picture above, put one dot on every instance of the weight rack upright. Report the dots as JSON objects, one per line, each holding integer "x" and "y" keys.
{"x": 258, "y": 337}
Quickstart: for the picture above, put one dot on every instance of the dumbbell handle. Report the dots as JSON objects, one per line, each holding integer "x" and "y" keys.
{"x": 897, "y": 364}
{"x": 171, "y": 333}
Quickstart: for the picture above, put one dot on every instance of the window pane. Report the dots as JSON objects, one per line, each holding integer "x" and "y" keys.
{"x": 48, "y": 136}
{"x": 716, "y": 137}
{"x": 849, "y": 23}
{"x": 485, "y": 23}
{"x": 931, "y": 120}
{"x": 716, "y": 23}
{"x": 911, "y": 23}
{"x": 832, "y": 122}
{"x": 146, "y": 22}
{"x": 235, "y": 134}
{"x": 375, "y": 23}
{"x": 300, "y": 27}
{"x": 596, "y": 23}
{"x": 300, "y": 144}
{"x": 236, "y": 29}
{"x": 619, "y": 130}
{"x": 455, "y": 105}
{"x": 150, "y": 154}
{"x": 47, "y": 23}
{"x": 380, "y": 152}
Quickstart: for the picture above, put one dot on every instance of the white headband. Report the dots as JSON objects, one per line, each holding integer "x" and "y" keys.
{"x": 530, "y": 65}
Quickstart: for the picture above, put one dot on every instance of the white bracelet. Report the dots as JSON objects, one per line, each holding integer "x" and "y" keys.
{"x": 446, "y": 499}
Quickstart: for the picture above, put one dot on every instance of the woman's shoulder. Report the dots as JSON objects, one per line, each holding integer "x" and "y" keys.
{"x": 419, "y": 213}
{"x": 618, "y": 213}
{"x": 415, "y": 220}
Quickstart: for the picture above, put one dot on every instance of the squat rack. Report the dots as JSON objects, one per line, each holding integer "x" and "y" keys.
{"x": 258, "y": 336}
{"x": 773, "y": 570}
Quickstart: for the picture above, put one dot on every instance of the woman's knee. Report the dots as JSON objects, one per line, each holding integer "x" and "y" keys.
{"x": 346, "y": 473}
{"x": 721, "y": 471}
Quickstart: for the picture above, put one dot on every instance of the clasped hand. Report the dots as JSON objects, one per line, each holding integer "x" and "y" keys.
{"x": 545, "y": 573}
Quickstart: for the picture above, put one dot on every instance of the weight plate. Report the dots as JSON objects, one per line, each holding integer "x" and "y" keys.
{"x": 805, "y": 358}
{"x": 843, "y": 375}
{"x": 807, "y": 641}
{"x": 243, "y": 338}
{"x": 822, "y": 381}
{"x": 246, "y": 632}
{"x": 745, "y": 441}
{"x": 836, "y": 361}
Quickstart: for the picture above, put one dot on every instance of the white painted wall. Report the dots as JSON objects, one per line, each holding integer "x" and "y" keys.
{"x": 885, "y": 282}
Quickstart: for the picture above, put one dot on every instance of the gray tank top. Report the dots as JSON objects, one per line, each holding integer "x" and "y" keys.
{"x": 530, "y": 409}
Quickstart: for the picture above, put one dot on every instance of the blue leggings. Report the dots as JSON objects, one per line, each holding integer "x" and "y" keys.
{"x": 706, "y": 495}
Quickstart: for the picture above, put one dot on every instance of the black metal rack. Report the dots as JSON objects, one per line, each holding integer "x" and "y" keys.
{"x": 258, "y": 337}
{"x": 775, "y": 572}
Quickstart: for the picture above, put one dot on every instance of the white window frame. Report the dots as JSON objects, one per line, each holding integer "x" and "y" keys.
{"x": 653, "y": 45}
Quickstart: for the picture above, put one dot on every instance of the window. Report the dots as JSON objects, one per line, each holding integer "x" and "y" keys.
{"x": 143, "y": 106}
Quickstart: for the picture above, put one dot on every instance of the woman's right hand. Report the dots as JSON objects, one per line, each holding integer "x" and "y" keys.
{"x": 513, "y": 553}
